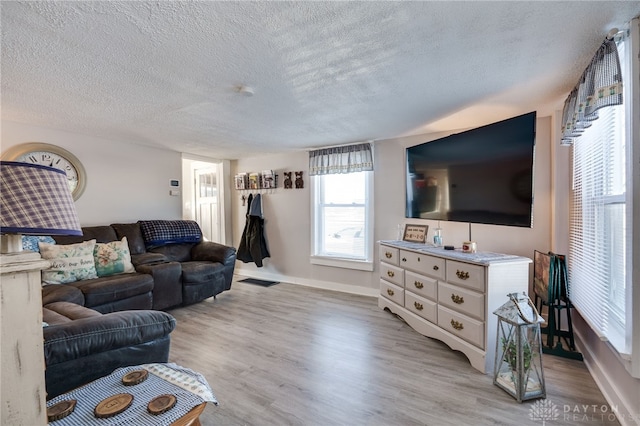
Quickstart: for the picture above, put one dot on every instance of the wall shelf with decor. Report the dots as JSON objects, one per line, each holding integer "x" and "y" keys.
{"x": 267, "y": 180}
{"x": 256, "y": 181}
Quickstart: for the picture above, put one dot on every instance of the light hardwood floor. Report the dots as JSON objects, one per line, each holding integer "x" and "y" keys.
{"x": 293, "y": 355}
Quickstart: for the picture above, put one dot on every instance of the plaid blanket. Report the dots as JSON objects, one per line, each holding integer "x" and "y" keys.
{"x": 158, "y": 233}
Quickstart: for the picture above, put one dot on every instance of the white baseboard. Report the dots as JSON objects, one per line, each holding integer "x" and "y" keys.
{"x": 607, "y": 385}
{"x": 326, "y": 285}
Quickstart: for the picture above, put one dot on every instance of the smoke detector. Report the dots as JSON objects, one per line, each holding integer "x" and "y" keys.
{"x": 244, "y": 90}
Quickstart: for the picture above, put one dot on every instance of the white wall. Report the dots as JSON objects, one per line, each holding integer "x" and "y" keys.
{"x": 287, "y": 213}
{"x": 125, "y": 182}
{"x": 129, "y": 182}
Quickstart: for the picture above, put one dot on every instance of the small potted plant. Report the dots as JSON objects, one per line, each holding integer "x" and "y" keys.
{"x": 511, "y": 355}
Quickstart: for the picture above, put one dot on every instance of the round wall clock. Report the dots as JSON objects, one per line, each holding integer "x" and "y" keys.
{"x": 53, "y": 156}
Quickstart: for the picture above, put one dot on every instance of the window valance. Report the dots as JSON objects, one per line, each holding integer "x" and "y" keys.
{"x": 341, "y": 159}
{"x": 600, "y": 85}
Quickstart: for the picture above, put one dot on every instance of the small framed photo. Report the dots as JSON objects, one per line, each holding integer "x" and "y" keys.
{"x": 415, "y": 233}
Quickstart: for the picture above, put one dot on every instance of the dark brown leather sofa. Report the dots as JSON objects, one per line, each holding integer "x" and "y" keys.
{"x": 97, "y": 325}
{"x": 168, "y": 275}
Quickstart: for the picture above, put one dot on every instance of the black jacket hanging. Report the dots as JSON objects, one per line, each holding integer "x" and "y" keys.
{"x": 253, "y": 246}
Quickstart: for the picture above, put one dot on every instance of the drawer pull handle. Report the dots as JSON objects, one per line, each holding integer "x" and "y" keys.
{"x": 457, "y": 299}
{"x": 418, "y": 306}
{"x": 457, "y": 325}
{"x": 418, "y": 259}
{"x": 390, "y": 273}
{"x": 389, "y": 255}
{"x": 418, "y": 284}
{"x": 390, "y": 292}
{"x": 462, "y": 275}
{"x": 404, "y": 259}
{"x": 435, "y": 267}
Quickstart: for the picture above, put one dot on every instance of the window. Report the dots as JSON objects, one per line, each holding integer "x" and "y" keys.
{"x": 342, "y": 206}
{"x": 599, "y": 253}
{"x": 342, "y": 220}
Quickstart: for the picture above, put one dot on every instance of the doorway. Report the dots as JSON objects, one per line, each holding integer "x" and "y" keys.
{"x": 203, "y": 197}
{"x": 206, "y": 207}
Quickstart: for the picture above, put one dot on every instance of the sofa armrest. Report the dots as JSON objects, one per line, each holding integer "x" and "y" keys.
{"x": 148, "y": 259}
{"x": 92, "y": 335}
{"x": 214, "y": 252}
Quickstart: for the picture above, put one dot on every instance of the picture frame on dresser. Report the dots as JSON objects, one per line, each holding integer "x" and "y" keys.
{"x": 415, "y": 233}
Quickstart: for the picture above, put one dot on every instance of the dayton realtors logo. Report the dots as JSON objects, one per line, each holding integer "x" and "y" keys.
{"x": 546, "y": 411}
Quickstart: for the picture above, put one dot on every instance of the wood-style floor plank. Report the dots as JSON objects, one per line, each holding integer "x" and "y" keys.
{"x": 294, "y": 355}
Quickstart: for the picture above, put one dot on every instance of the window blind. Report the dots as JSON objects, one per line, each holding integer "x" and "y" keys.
{"x": 597, "y": 249}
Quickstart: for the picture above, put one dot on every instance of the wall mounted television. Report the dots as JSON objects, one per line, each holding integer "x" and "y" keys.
{"x": 483, "y": 175}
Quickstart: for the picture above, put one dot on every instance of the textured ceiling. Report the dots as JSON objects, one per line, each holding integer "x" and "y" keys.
{"x": 323, "y": 73}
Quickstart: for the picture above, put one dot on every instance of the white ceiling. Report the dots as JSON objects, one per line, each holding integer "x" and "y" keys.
{"x": 323, "y": 73}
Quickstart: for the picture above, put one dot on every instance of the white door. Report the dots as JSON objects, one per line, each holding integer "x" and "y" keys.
{"x": 207, "y": 204}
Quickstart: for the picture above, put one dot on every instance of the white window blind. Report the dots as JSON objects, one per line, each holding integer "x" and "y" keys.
{"x": 598, "y": 247}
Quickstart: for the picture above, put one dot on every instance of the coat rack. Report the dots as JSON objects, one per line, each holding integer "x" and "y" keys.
{"x": 266, "y": 181}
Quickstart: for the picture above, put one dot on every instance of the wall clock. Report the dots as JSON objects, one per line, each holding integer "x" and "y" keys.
{"x": 53, "y": 156}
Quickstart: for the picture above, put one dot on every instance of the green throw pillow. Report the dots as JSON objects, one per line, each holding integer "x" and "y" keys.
{"x": 113, "y": 258}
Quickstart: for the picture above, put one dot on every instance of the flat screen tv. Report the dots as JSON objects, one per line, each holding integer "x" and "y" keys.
{"x": 484, "y": 175}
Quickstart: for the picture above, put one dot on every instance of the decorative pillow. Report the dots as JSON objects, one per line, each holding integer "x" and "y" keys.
{"x": 157, "y": 233}
{"x": 69, "y": 263}
{"x": 113, "y": 258}
{"x": 30, "y": 242}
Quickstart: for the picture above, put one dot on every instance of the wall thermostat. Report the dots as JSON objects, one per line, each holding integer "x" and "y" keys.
{"x": 175, "y": 183}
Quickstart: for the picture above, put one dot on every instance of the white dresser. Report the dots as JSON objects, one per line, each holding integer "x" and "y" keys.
{"x": 449, "y": 295}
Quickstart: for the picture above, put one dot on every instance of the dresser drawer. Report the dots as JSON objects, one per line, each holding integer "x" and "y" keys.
{"x": 421, "y": 285}
{"x": 462, "y": 326}
{"x": 388, "y": 254}
{"x": 392, "y": 292}
{"x": 420, "y": 306}
{"x": 460, "y": 299}
{"x": 422, "y": 263}
{"x": 466, "y": 274}
{"x": 392, "y": 273}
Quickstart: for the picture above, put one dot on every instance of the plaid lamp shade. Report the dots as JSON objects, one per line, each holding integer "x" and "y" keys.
{"x": 36, "y": 200}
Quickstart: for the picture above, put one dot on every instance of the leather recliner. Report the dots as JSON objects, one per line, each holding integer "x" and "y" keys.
{"x": 81, "y": 344}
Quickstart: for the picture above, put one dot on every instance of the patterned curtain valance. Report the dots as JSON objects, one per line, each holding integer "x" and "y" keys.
{"x": 341, "y": 159}
{"x": 599, "y": 86}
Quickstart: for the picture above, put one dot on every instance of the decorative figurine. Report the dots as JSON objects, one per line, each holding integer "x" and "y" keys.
{"x": 287, "y": 180}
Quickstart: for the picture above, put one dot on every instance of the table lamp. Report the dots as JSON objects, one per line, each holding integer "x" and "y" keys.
{"x": 34, "y": 200}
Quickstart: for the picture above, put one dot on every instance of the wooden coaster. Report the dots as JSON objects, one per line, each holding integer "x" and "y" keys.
{"x": 161, "y": 404}
{"x": 113, "y": 405}
{"x": 61, "y": 410}
{"x": 135, "y": 377}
